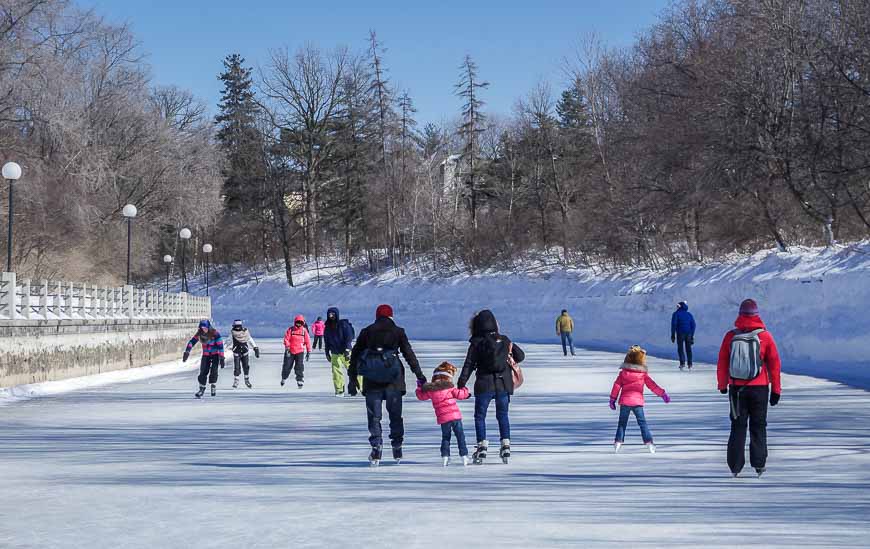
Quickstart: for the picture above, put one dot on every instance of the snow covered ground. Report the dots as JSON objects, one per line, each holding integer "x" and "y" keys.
{"x": 144, "y": 464}
{"x": 814, "y": 301}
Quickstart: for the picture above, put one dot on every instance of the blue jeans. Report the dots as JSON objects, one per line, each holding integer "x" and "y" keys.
{"x": 374, "y": 410}
{"x": 455, "y": 427}
{"x": 481, "y": 404}
{"x": 566, "y": 338}
{"x": 624, "y": 412}
{"x": 684, "y": 348}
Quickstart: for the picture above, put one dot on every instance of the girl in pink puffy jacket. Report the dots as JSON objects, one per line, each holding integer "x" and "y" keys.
{"x": 629, "y": 386}
{"x": 444, "y": 395}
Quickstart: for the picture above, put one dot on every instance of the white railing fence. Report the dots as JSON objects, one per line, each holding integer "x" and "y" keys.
{"x": 59, "y": 300}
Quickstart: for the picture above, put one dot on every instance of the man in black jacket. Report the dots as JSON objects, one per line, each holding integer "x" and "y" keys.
{"x": 384, "y": 335}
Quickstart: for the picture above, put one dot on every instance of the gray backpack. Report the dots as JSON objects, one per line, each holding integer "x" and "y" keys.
{"x": 745, "y": 355}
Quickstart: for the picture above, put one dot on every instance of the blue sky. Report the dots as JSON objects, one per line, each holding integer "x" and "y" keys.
{"x": 515, "y": 43}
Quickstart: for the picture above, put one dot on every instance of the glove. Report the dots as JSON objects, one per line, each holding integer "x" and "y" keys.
{"x": 613, "y": 404}
{"x": 673, "y": 339}
{"x": 666, "y": 398}
{"x": 420, "y": 383}
{"x": 257, "y": 352}
{"x": 723, "y": 391}
{"x": 774, "y": 399}
{"x": 307, "y": 355}
{"x": 421, "y": 379}
{"x": 185, "y": 356}
{"x": 223, "y": 362}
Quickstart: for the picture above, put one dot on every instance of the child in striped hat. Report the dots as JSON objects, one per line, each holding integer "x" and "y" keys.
{"x": 444, "y": 395}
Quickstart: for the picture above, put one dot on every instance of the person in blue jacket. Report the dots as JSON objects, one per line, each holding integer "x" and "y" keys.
{"x": 337, "y": 342}
{"x": 683, "y": 333}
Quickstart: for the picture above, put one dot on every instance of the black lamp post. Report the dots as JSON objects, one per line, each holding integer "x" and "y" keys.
{"x": 185, "y": 236}
{"x": 129, "y": 212}
{"x": 11, "y": 173}
{"x": 167, "y": 259}
{"x": 206, "y": 249}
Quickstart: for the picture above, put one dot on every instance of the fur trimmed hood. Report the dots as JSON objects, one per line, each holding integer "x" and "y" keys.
{"x": 634, "y": 367}
{"x": 438, "y": 385}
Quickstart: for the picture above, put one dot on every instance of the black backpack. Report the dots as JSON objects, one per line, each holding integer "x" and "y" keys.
{"x": 380, "y": 365}
{"x": 493, "y": 354}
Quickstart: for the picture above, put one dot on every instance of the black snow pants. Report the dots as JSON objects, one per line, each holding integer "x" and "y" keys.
{"x": 748, "y": 405}
{"x": 208, "y": 369}
{"x": 241, "y": 362}
{"x": 292, "y": 362}
{"x": 318, "y": 342}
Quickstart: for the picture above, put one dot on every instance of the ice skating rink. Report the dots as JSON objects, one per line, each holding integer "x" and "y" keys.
{"x": 144, "y": 464}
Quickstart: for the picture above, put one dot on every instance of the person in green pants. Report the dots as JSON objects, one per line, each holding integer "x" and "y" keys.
{"x": 337, "y": 342}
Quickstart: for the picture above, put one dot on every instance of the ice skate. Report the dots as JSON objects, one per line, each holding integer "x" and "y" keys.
{"x": 760, "y": 471}
{"x": 283, "y": 381}
{"x": 397, "y": 454}
{"x": 651, "y": 447}
{"x": 375, "y": 456}
{"x": 236, "y": 383}
{"x": 617, "y": 446}
{"x": 445, "y": 461}
{"x": 248, "y": 383}
{"x": 299, "y": 384}
{"x": 213, "y": 389}
{"x": 200, "y": 392}
{"x": 480, "y": 453}
{"x": 466, "y": 461}
{"x": 505, "y": 452}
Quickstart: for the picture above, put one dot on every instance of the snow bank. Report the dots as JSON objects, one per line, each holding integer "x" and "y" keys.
{"x": 813, "y": 300}
{"x": 33, "y": 390}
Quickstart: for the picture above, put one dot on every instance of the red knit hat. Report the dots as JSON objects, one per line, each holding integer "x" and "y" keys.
{"x": 749, "y": 308}
{"x": 384, "y": 311}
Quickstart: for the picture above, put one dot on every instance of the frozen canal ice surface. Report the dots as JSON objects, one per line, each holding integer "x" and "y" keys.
{"x": 144, "y": 464}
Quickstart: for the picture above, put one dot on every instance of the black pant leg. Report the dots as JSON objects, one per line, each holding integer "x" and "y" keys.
{"x": 689, "y": 351}
{"x": 213, "y": 371}
{"x": 246, "y": 364}
{"x": 299, "y": 366}
{"x": 287, "y": 366}
{"x": 737, "y": 438}
{"x": 374, "y": 412}
{"x": 237, "y": 364}
{"x": 758, "y": 398}
{"x": 397, "y": 424}
{"x": 204, "y": 367}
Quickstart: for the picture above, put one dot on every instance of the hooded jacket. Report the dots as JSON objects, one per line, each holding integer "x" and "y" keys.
{"x": 682, "y": 321}
{"x": 443, "y": 395}
{"x": 564, "y": 324}
{"x": 488, "y": 351}
{"x": 770, "y": 374}
{"x": 318, "y": 327}
{"x": 384, "y": 334}
{"x": 212, "y": 342}
{"x": 296, "y": 338}
{"x": 630, "y": 383}
{"x": 241, "y": 338}
{"x": 337, "y": 335}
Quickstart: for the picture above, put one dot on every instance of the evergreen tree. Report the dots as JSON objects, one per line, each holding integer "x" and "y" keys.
{"x": 469, "y": 131}
{"x": 239, "y": 138}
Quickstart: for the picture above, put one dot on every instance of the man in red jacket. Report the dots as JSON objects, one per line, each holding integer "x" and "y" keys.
{"x": 749, "y": 398}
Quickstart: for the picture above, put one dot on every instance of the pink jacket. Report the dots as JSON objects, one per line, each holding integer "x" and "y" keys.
{"x": 443, "y": 396}
{"x": 318, "y": 327}
{"x": 296, "y": 340}
{"x": 631, "y": 381}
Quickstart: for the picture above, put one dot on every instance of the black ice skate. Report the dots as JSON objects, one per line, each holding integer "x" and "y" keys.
{"x": 375, "y": 456}
{"x": 397, "y": 454}
{"x": 480, "y": 453}
{"x": 236, "y": 383}
{"x": 248, "y": 383}
{"x": 505, "y": 452}
{"x": 200, "y": 392}
{"x": 213, "y": 389}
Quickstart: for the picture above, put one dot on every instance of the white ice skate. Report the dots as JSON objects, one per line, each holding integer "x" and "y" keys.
{"x": 651, "y": 447}
{"x": 617, "y": 446}
{"x": 466, "y": 461}
{"x": 445, "y": 461}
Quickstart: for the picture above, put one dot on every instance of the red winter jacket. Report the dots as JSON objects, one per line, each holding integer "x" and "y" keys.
{"x": 296, "y": 340}
{"x": 770, "y": 374}
{"x": 318, "y": 328}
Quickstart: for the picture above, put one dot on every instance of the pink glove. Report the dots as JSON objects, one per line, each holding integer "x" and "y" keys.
{"x": 613, "y": 404}
{"x": 666, "y": 398}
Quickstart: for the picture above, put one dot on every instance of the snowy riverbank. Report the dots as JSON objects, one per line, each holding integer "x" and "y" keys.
{"x": 813, "y": 300}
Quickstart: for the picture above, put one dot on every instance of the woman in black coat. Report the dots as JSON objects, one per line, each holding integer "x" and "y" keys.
{"x": 488, "y": 358}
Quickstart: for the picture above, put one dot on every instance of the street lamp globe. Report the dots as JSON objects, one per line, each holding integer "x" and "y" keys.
{"x": 207, "y": 248}
{"x": 11, "y": 171}
{"x": 184, "y": 233}
{"x": 167, "y": 258}
{"x": 129, "y": 211}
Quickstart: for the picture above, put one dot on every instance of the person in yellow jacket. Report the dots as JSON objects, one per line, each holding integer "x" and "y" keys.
{"x": 564, "y": 327}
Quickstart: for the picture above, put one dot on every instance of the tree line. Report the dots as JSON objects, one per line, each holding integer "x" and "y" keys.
{"x": 728, "y": 125}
